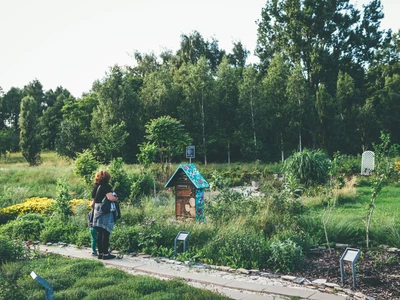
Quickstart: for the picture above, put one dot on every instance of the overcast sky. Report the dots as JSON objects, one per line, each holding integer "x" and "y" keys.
{"x": 73, "y": 42}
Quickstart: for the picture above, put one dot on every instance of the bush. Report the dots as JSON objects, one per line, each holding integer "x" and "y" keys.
{"x": 142, "y": 185}
{"x": 237, "y": 248}
{"x": 120, "y": 180}
{"x": 56, "y": 231}
{"x": 25, "y": 227}
{"x": 125, "y": 238}
{"x": 285, "y": 255}
{"x": 11, "y": 250}
{"x": 85, "y": 166}
{"x": 309, "y": 167}
{"x": 31, "y": 205}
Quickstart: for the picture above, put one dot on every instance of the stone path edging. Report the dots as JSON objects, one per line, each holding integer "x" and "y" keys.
{"x": 259, "y": 284}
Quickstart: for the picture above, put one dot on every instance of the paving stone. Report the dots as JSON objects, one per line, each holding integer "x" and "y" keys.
{"x": 332, "y": 285}
{"x": 299, "y": 280}
{"x": 318, "y": 281}
{"x": 274, "y": 276}
{"x": 287, "y": 277}
{"x": 243, "y": 271}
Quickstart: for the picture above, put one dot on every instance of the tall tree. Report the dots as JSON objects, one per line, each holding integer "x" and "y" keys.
{"x": 30, "y": 142}
{"x": 299, "y": 102}
{"x": 197, "y": 87}
{"x": 52, "y": 115}
{"x": 348, "y": 103}
{"x": 11, "y": 106}
{"x": 239, "y": 55}
{"x": 226, "y": 100}
{"x": 106, "y": 114}
{"x": 249, "y": 114}
{"x": 157, "y": 93}
{"x": 275, "y": 102}
{"x": 74, "y": 135}
{"x": 170, "y": 137}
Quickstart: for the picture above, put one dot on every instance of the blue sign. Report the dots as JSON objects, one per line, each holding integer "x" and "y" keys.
{"x": 190, "y": 152}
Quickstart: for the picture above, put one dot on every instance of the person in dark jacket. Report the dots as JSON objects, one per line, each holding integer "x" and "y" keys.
{"x": 103, "y": 223}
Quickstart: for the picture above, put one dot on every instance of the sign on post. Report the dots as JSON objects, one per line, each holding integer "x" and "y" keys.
{"x": 367, "y": 163}
{"x": 45, "y": 284}
{"x": 350, "y": 255}
{"x": 190, "y": 152}
{"x": 182, "y": 236}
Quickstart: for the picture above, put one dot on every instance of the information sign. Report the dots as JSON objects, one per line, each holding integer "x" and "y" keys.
{"x": 190, "y": 152}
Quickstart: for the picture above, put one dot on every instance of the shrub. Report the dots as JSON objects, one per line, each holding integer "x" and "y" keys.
{"x": 25, "y": 227}
{"x": 85, "y": 166}
{"x": 125, "y": 238}
{"x": 31, "y": 205}
{"x": 62, "y": 205}
{"x": 285, "y": 255}
{"x": 237, "y": 248}
{"x": 57, "y": 231}
{"x": 142, "y": 185}
{"x": 11, "y": 250}
{"x": 309, "y": 167}
{"x": 120, "y": 180}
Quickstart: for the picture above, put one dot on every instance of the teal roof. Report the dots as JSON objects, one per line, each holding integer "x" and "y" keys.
{"x": 193, "y": 174}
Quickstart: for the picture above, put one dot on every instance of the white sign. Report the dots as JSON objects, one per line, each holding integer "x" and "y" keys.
{"x": 367, "y": 163}
{"x": 350, "y": 255}
{"x": 182, "y": 236}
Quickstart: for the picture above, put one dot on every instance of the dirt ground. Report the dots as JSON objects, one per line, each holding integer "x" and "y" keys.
{"x": 377, "y": 271}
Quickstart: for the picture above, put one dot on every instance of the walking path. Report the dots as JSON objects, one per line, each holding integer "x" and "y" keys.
{"x": 234, "y": 286}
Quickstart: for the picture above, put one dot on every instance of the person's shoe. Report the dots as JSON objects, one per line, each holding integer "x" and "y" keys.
{"x": 109, "y": 256}
{"x": 100, "y": 256}
{"x": 94, "y": 254}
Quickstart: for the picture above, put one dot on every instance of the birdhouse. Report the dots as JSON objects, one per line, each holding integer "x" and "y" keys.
{"x": 189, "y": 192}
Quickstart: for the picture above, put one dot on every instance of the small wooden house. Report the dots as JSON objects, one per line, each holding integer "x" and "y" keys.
{"x": 189, "y": 192}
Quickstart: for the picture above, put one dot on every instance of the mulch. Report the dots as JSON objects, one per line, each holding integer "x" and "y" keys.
{"x": 377, "y": 271}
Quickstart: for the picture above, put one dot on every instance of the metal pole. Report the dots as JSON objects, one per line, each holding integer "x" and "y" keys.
{"x": 155, "y": 193}
{"x": 47, "y": 286}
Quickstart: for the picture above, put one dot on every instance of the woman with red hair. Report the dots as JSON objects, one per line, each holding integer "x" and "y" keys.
{"x": 102, "y": 222}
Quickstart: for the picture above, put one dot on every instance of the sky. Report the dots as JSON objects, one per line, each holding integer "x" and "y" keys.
{"x": 72, "y": 43}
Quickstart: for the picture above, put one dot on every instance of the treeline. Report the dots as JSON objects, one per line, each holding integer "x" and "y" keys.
{"x": 328, "y": 77}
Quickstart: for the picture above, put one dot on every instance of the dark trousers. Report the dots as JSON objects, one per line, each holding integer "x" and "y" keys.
{"x": 103, "y": 238}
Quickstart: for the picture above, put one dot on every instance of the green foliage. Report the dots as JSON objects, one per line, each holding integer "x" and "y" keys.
{"x": 85, "y": 166}
{"x": 169, "y": 135}
{"x": 30, "y": 142}
{"x": 229, "y": 204}
{"x": 125, "y": 238}
{"x": 384, "y": 152}
{"x": 238, "y": 248}
{"x": 286, "y": 255}
{"x": 8, "y": 141}
{"x": 309, "y": 167}
{"x": 62, "y": 205}
{"x": 147, "y": 155}
{"x": 10, "y": 250}
{"x": 219, "y": 182}
{"x": 25, "y": 227}
{"x": 90, "y": 279}
{"x": 120, "y": 179}
{"x": 56, "y": 231}
{"x": 142, "y": 185}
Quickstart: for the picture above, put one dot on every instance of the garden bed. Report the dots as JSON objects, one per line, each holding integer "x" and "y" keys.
{"x": 377, "y": 271}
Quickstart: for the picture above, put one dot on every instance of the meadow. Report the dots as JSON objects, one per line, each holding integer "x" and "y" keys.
{"x": 273, "y": 230}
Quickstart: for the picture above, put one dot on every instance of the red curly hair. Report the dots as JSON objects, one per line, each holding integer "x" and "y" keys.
{"x": 102, "y": 177}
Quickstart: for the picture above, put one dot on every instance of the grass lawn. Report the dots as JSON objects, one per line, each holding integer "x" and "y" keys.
{"x": 348, "y": 218}
{"x": 89, "y": 279}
